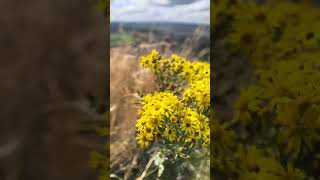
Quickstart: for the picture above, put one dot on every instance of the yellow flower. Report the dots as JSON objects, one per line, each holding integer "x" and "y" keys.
{"x": 191, "y": 139}
{"x": 189, "y": 121}
{"x": 203, "y": 120}
{"x": 203, "y": 130}
{"x": 144, "y": 139}
{"x": 170, "y": 134}
{"x": 204, "y": 133}
{"x": 206, "y": 138}
{"x": 155, "y": 123}
{"x": 141, "y": 124}
{"x": 188, "y": 126}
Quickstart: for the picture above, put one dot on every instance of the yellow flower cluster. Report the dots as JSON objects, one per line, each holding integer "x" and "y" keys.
{"x": 195, "y": 126}
{"x": 198, "y": 76}
{"x": 151, "y": 61}
{"x": 196, "y": 71}
{"x": 157, "y": 109}
{"x": 163, "y": 113}
{"x": 179, "y": 118}
{"x": 174, "y": 63}
{"x": 198, "y": 92}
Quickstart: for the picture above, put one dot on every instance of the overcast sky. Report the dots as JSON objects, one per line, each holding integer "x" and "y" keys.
{"x": 190, "y": 11}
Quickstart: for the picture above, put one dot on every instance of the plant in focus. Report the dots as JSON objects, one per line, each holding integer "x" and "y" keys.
{"x": 174, "y": 121}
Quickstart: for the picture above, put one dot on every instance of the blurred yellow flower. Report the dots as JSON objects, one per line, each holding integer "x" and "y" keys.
{"x": 170, "y": 134}
{"x": 144, "y": 139}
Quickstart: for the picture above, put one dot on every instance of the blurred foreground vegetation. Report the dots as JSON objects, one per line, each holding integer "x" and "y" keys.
{"x": 274, "y": 131}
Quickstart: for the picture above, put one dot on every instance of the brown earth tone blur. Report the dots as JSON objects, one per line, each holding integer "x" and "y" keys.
{"x": 53, "y": 71}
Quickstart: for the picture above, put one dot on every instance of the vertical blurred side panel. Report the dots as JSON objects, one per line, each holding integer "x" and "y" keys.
{"x": 265, "y": 89}
{"x": 72, "y": 123}
{"x": 53, "y": 90}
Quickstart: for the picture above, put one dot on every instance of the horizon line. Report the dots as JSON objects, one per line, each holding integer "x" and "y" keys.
{"x": 168, "y": 22}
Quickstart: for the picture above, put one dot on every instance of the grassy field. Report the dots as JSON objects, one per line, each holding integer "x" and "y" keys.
{"x": 118, "y": 39}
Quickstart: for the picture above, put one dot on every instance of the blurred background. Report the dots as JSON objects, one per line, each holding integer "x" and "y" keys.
{"x": 137, "y": 27}
{"x": 53, "y": 67}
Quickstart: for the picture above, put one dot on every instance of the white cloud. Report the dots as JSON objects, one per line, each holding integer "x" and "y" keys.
{"x": 161, "y": 2}
{"x": 191, "y": 11}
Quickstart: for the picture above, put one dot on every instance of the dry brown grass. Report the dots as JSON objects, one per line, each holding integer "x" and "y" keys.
{"x": 127, "y": 78}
